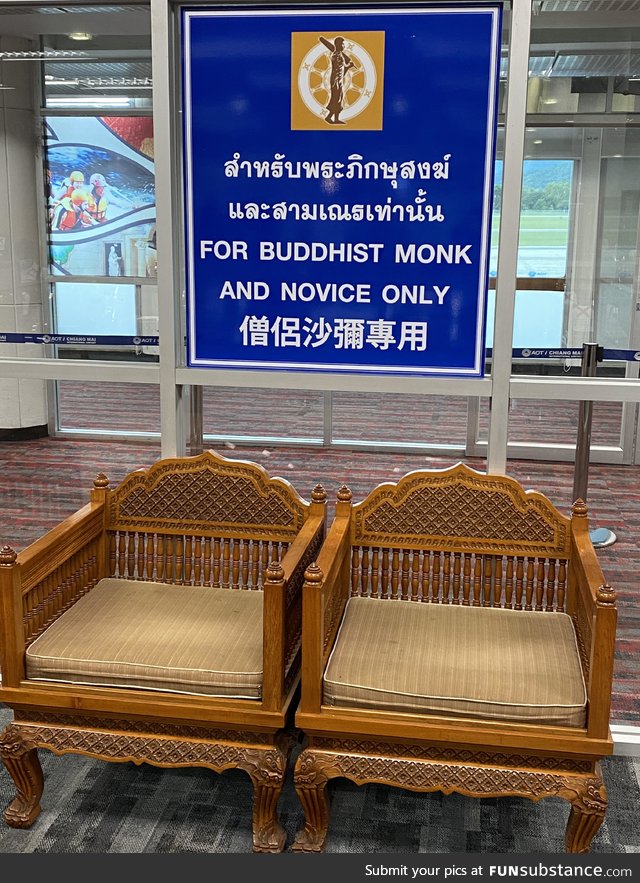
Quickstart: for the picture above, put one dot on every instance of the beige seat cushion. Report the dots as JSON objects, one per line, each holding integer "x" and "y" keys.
{"x": 478, "y": 662}
{"x": 127, "y": 633}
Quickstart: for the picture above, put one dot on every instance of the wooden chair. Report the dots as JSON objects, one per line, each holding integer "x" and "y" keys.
{"x": 161, "y": 624}
{"x": 458, "y": 636}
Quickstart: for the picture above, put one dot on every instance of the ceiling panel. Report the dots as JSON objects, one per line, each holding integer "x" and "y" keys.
{"x": 609, "y": 6}
{"x": 597, "y": 64}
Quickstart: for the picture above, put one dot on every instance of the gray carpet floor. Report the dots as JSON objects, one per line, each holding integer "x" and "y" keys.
{"x": 90, "y": 806}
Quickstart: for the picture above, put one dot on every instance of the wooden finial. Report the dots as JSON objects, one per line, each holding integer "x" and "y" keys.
{"x": 7, "y": 556}
{"x": 275, "y": 572}
{"x": 313, "y": 574}
{"x": 318, "y": 494}
{"x": 344, "y": 494}
{"x": 101, "y": 481}
{"x": 605, "y": 595}
{"x": 579, "y": 509}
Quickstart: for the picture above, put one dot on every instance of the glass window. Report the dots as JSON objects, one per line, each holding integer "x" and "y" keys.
{"x": 542, "y": 251}
{"x": 620, "y": 210}
{"x": 536, "y": 422}
{"x": 93, "y": 308}
{"x": 295, "y": 415}
{"x": 131, "y": 408}
{"x": 401, "y": 419}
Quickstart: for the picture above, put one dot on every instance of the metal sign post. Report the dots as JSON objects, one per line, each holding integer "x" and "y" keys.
{"x": 591, "y": 355}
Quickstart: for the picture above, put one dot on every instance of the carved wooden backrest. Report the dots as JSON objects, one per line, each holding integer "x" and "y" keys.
{"x": 463, "y": 537}
{"x": 204, "y": 520}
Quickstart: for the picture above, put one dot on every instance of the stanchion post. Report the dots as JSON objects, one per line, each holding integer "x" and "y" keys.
{"x": 585, "y": 414}
{"x": 591, "y": 355}
{"x": 196, "y": 429}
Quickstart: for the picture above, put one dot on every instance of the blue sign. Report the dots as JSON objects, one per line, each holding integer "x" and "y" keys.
{"x": 338, "y": 183}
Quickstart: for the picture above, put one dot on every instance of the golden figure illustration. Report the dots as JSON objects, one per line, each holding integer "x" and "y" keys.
{"x": 340, "y": 64}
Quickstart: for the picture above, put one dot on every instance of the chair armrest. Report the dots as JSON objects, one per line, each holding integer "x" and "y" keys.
{"x": 282, "y": 611}
{"x": 593, "y": 608}
{"x": 325, "y": 594}
{"x": 45, "y": 579}
{"x": 302, "y": 551}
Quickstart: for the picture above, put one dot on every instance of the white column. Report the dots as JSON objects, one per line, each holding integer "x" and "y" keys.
{"x": 23, "y": 402}
{"x": 517, "y": 88}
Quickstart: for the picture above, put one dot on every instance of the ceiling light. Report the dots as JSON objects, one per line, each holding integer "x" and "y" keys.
{"x": 89, "y": 101}
{"x": 80, "y": 35}
{"x": 549, "y": 100}
{"x": 538, "y": 141}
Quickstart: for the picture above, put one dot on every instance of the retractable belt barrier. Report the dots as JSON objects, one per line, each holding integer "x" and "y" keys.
{"x": 530, "y": 353}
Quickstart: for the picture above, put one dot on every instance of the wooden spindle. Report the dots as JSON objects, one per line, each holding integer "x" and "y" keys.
{"x": 121, "y": 554}
{"x": 446, "y": 578}
{"x": 436, "y": 577}
{"x": 487, "y": 583}
{"x": 386, "y": 585}
{"x": 457, "y": 564}
{"x": 226, "y": 563}
{"x": 206, "y": 576}
{"x": 169, "y": 548}
{"x": 508, "y": 589}
{"x": 395, "y": 573}
{"x": 178, "y": 575}
{"x": 425, "y": 556}
{"x": 112, "y": 554}
{"x": 149, "y": 564}
{"x": 551, "y": 584}
{"x": 466, "y": 580}
{"x": 131, "y": 555}
{"x": 235, "y": 567}
{"x": 140, "y": 563}
{"x": 355, "y": 571}
{"x": 364, "y": 572}
{"x": 415, "y": 576}
{"x": 519, "y": 582}
{"x": 497, "y": 583}
{"x": 187, "y": 571}
{"x": 405, "y": 580}
{"x": 245, "y": 563}
{"x": 161, "y": 561}
{"x": 540, "y": 584}
{"x": 477, "y": 580}
{"x": 562, "y": 585}
{"x": 375, "y": 573}
{"x": 529, "y": 588}
{"x": 255, "y": 564}
{"x": 216, "y": 562}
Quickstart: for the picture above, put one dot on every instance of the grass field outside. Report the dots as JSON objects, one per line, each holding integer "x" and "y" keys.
{"x": 537, "y": 229}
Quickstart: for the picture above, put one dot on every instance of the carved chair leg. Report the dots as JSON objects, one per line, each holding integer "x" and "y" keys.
{"x": 268, "y": 833}
{"x": 311, "y": 788}
{"x": 21, "y": 761}
{"x": 587, "y": 814}
{"x": 267, "y": 770}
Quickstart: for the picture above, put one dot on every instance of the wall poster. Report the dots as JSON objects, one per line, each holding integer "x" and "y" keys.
{"x": 101, "y": 196}
{"x": 338, "y": 172}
